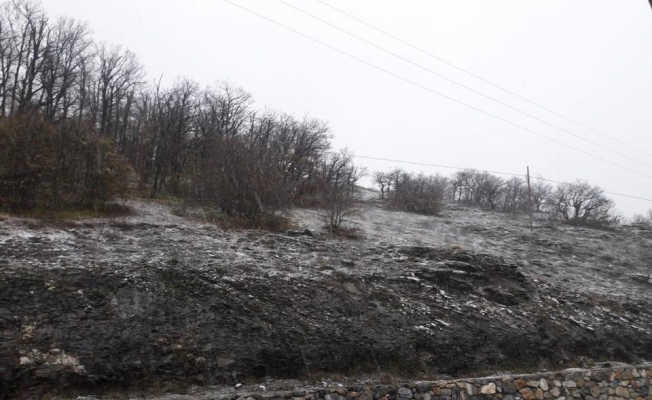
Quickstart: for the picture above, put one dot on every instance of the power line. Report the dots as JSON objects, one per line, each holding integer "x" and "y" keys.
{"x": 433, "y": 165}
{"x": 483, "y": 79}
{"x": 434, "y": 91}
{"x": 460, "y": 84}
{"x": 493, "y": 172}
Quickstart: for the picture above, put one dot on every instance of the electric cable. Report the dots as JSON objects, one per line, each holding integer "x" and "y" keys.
{"x": 460, "y": 84}
{"x": 493, "y": 172}
{"x": 434, "y": 91}
{"x": 483, "y": 79}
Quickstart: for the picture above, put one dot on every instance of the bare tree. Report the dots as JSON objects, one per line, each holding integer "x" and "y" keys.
{"x": 515, "y": 195}
{"x": 7, "y": 56}
{"x": 222, "y": 115}
{"x": 303, "y": 143}
{"x": 24, "y": 33}
{"x": 119, "y": 75}
{"x": 64, "y": 63}
{"x": 381, "y": 179}
{"x": 583, "y": 204}
{"x": 540, "y": 192}
{"x": 337, "y": 177}
{"x": 460, "y": 185}
{"x": 485, "y": 189}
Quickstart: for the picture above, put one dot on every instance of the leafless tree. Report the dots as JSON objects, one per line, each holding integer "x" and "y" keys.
{"x": 419, "y": 194}
{"x": 540, "y": 192}
{"x": 222, "y": 115}
{"x": 7, "y": 56}
{"x": 486, "y": 189}
{"x": 64, "y": 62}
{"x": 24, "y": 30}
{"x": 515, "y": 195}
{"x": 460, "y": 183}
{"x": 303, "y": 144}
{"x": 119, "y": 73}
{"x": 381, "y": 180}
{"x": 337, "y": 177}
{"x": 583, "y": 204}
{"x": 393, "y": 179}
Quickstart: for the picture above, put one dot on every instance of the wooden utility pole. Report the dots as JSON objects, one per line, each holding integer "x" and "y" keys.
{"x": 529, "y": 196}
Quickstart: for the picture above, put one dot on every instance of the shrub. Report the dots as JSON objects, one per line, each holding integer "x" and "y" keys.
{"x": 643, "y": 219}
{"x": 418, "y": 194}
{"x": 46, "y": 165}
{"x": 241, "y": 178}
{"x": 336, "y": 180}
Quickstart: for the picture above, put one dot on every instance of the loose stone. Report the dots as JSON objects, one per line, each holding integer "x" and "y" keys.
{"x": 471, "y": 389}
{"x": 622, "y": 392}
{"x": 405, "y": 393}
{"x": 488, "y": 389}
{"x": 543, "y": 384}
{"x": 527, "y": 394}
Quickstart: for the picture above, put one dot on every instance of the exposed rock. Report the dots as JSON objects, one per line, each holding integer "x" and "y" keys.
{"x": 348, "y": 263}
{"x": 156, "y": 298}
{"x": 305, "y": 232}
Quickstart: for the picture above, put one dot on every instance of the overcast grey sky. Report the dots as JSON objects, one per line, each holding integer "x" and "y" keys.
{"x": 589, "y": 60}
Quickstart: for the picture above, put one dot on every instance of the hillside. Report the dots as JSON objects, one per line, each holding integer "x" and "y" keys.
{"x": 153, "y": 299}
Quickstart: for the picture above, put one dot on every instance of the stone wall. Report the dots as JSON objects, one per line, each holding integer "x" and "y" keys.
{"x": 616, "y": 383}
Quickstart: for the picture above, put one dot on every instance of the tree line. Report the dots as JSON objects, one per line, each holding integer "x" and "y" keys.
{"x": 78, "y": 121}
{"x": 574, "y": 202}
{"x": 77, "y": 115}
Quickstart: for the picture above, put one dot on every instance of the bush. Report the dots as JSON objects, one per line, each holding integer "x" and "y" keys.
{"x": 418, "y": 194}
{"x": 46, "y": 165}
{"x": 337, "y": 177}
{"x": 643, "y": 219}
{"x": 241, "y": 178}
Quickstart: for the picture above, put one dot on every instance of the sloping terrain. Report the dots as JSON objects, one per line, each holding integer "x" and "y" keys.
{"x": 150, "y": 298}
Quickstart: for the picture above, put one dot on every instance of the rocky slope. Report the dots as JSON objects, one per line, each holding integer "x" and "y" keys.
{"x": 151, "y": 298}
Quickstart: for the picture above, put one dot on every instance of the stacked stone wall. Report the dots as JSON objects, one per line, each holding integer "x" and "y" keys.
{"x": 621, "y": 383}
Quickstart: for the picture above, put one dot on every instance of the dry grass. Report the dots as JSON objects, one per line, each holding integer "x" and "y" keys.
{"x": 264, "y": 222}
{"x": 349, "y": 233}
{"x": 109, "y": 210}
{"x": 270, "y": 223}
{"x": 386, "y": 379}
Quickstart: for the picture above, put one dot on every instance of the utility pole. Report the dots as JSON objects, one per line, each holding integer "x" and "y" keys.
{"x": 529, "y": 195}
